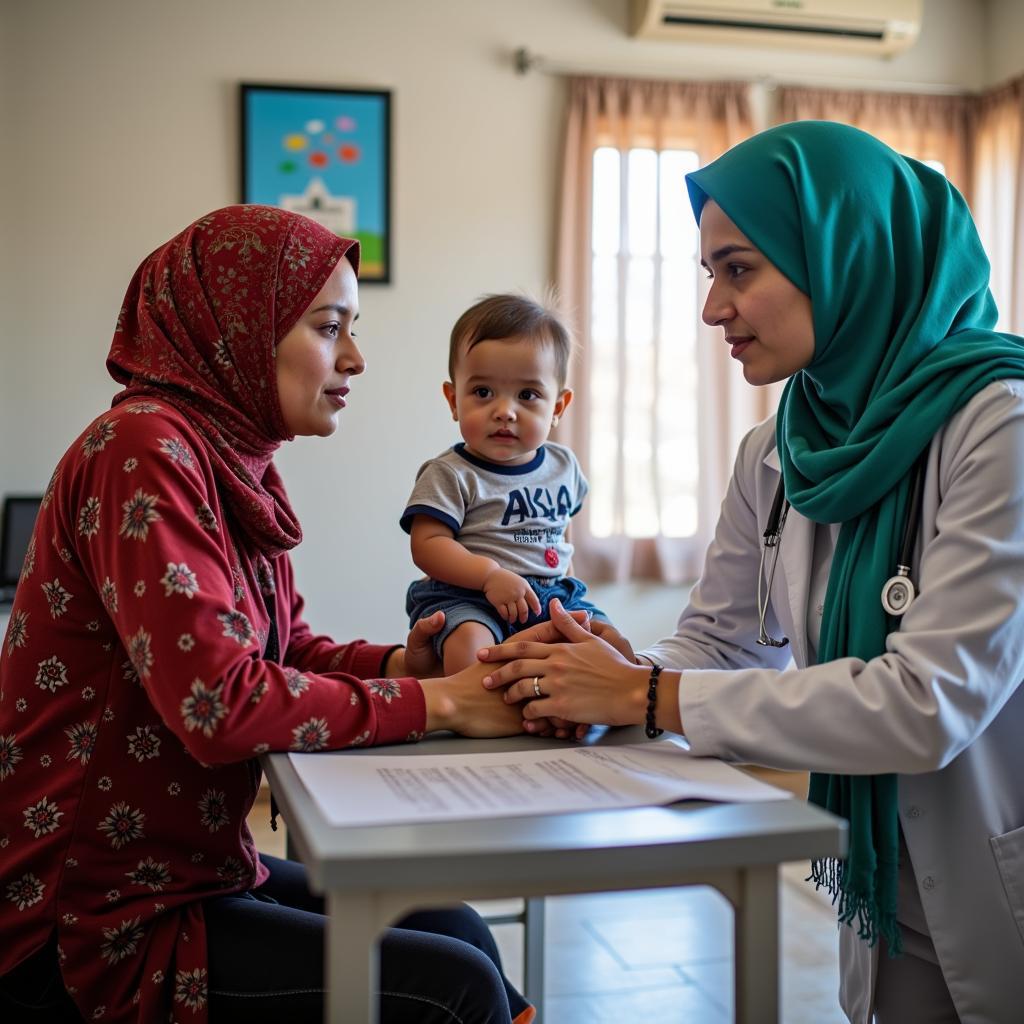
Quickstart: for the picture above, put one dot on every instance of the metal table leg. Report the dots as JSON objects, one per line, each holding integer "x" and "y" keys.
{"x": 757, "y": 946}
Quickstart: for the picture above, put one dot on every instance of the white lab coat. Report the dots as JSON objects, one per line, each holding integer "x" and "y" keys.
{"x": 942, "y": 706}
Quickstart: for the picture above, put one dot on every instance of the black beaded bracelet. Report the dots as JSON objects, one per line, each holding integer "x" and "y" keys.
{"x": 652, "y": 730}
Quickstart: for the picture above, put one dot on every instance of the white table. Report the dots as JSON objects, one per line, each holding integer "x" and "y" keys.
{"x": 371, "y": 876}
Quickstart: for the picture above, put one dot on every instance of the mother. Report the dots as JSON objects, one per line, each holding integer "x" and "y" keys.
{"x": 157, "y": 647}
{"x": 857, "y": 274}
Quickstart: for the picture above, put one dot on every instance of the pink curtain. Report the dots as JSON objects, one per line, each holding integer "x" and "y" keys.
{"x": 705, "y": 118}
{"x": 998, "y": 194}
{"x": 933, "y": 128}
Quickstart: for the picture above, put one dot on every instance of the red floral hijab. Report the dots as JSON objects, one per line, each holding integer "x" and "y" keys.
{"x": 199, "y": 330}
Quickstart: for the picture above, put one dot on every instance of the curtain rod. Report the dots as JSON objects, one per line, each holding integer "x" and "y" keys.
{"x": 525, "y": 61}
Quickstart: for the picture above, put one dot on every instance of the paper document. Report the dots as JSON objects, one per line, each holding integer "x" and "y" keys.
{"x": 386, "y": 789}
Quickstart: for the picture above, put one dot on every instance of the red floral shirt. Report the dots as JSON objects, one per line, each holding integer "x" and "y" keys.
{"x": 134, "y": 699}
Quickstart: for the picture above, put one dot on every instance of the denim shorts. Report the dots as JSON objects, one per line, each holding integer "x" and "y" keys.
{"x": 460, "y": 605}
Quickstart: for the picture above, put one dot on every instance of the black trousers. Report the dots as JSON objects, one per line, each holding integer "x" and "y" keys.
{"x": 265, "y": 953}
{"x": 266, "y": 958}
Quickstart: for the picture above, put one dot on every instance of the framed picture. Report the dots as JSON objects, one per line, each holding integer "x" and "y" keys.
{"x": 325, "y": 153}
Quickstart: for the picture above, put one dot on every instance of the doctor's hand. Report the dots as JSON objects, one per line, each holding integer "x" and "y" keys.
{"x": 584, "y": 679}
{"x": 547, "y": 632}
{"x": 610, "y": 635}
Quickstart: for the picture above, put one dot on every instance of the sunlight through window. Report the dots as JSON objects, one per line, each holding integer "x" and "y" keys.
{"x": 644, "y": 392}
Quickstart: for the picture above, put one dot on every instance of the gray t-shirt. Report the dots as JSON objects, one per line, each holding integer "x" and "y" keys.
{"x": 516, "y": 515}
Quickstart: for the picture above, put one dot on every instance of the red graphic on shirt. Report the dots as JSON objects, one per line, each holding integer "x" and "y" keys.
{"x": 551, "y": 557}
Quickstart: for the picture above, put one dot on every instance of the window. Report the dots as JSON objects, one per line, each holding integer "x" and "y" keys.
{"x": 643, "y": 380}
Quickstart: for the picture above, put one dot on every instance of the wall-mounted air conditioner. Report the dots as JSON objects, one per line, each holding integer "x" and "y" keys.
{"x": 877, "y": 27}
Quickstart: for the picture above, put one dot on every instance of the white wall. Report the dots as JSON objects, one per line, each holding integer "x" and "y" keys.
{"x": 1005, "y": 40}
{"x": 119, "y": 123}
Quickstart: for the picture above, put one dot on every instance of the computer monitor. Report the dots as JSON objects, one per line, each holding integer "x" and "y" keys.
{"x": 19, "y": 519}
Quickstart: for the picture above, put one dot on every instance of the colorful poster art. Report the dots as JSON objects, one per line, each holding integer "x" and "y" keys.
{"x": 325, "y": 153}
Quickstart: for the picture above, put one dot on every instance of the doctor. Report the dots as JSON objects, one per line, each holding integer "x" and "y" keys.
{"x": 897, "y": 451}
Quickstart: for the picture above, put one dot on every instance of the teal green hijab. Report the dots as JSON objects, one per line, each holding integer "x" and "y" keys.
{"x": 887, "y": 251}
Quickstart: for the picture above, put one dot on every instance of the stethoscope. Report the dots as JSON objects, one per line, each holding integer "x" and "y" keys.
{"x": 898, "y": 592}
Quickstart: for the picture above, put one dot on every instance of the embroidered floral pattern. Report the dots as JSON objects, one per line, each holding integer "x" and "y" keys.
{"x": 177, "y": 451}
{"x": 139, "y": 652}
{"x": 205, "y": 517}
{"x": 237, "y": 626}
{"x": 151, "y": 873}
{"x": 10, "y": 755}
{"x": 108, "y": 595}
{"x": 17, "y": 631}
{"x": 89, "y": 518}
{"x": 212, "y": 812}
{"x": 190, "y": 988}
{"x": 204, "y": 709}
{"x": 123, "y": 824}
{"x": 297, "y": 683}
{"x": 30, "y": 560}
{"x": 130, "y": 464}
{"x": 386, "y": 688}
{"x": 179, "y": 579}
{"x": 26, "y": 891}
{"x": 56, "y": 597}
{"x": 52, "y": 672}
{"x": 186, "y": 642}
{"x": 232, "y": 871}
{"x": 96, "y": 439}
{"x": 140, "y": 588}
{"x": 238, "y": 583}
{"x": 139, "y": 513}
{"x": 42, "y": 818}
{"x": 50, "y": 487}
{"x": 143, "y": 744}
{"x": 121, "y": 941}
{"x": 312, "y": 735}
{"x": 82, "y": 737}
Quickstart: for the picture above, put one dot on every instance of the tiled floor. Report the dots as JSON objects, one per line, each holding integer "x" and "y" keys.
{"x": 664, "y": 956}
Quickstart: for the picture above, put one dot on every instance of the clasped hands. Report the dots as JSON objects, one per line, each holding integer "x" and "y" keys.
{"x": 578, "y": 665}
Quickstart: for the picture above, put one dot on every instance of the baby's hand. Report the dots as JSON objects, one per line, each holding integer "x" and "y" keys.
{"x": 511, "y": 595}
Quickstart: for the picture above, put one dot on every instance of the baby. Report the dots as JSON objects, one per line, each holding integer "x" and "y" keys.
{"x": 487, "y": 518}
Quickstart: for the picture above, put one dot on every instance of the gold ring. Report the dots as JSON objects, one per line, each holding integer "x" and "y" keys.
{"x": 536, "y": 687}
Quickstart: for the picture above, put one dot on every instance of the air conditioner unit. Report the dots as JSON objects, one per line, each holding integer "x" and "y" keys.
{"x": 876, "y": 27}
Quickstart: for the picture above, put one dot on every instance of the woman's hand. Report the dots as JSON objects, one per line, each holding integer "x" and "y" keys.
{"x": 419, "y": 659}
{"x": 547, "y": 633}
{"x": 460, "y": 703}
{"x": 585, "y": 679}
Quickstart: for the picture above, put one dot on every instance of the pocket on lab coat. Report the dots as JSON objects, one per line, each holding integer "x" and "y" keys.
{"x": 1009, "y": 853}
